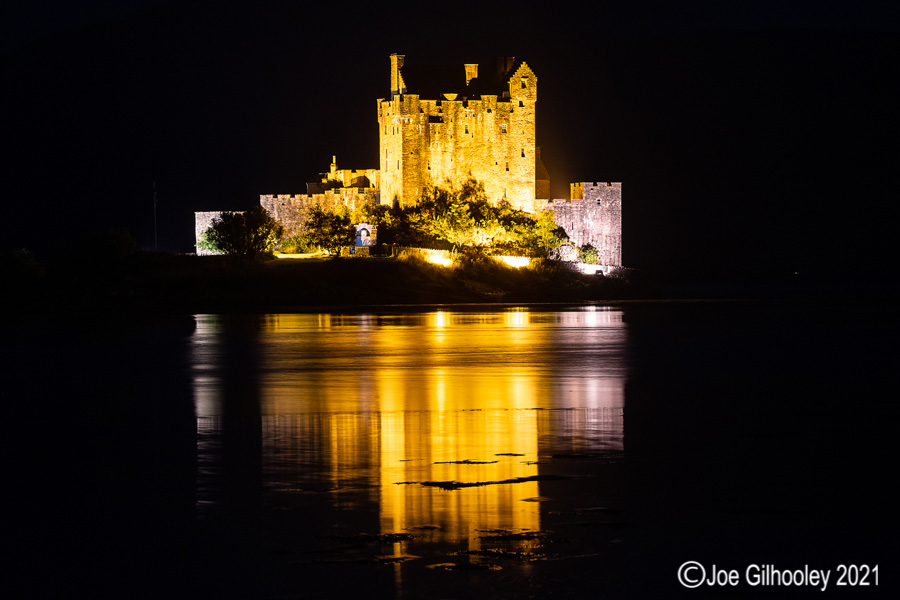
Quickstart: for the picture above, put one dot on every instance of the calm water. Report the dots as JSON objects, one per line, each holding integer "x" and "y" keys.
{"x": 430, "y": 440}
{"x": 513, "y": 453}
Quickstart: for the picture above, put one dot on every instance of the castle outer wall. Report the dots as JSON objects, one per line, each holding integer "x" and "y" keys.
{"x": 292, "y": 210}
{"x": 595, "y": 218}
{"x": 202, "y": 222}
{"x": 433, "y": 142}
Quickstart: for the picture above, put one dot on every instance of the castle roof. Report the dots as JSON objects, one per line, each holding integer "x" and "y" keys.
{"x": 433, "y": 81}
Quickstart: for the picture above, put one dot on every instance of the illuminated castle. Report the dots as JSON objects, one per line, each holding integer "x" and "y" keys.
{"x": 445, "y": 125}
{"x": 436, "y": 127}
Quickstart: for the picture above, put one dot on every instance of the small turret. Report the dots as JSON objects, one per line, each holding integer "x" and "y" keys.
{"x": 397, "y": 84}
{"x": 471, "y": 72}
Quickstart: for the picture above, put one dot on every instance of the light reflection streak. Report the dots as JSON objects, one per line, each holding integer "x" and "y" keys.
{"x": 365, "y": 404}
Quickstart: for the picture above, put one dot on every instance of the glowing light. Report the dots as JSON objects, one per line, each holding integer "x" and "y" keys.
{"x": 423, "y": 407}
{"x": 516, "y": 318}
{"x": 302, "y": 255}
{"x": 440, "y": 319}
{"x": 438, "y": 259}
{"x": 514, "y": 261}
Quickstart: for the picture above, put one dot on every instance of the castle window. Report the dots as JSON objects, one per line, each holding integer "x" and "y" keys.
{"x": 507, "y": 166}
{"x": 521, "y": 103}
{"x": 467, "y": 129}
{"x": 524, "y": 84}
{"x": 523, "y": 152}
{"x": 598, "y": 202}
{"x": 503, "y": 128}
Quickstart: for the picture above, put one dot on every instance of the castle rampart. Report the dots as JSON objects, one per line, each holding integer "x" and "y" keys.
{"x": 594, "y": 218}
{"x": 468, "y": 122}
{"x": 292, "y": 210}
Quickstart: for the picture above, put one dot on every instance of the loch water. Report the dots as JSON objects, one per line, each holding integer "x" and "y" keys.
{"x": 460, "y": 452}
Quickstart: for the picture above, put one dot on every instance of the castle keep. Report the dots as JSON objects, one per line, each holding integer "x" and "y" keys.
{"x": 445, "y": 125}
{"x": 478, "y": 123}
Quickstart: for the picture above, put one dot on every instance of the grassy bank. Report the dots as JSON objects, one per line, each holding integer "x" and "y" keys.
{"x": 183, "y": 283}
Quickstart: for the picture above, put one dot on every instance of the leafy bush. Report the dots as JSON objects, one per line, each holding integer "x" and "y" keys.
{"x": 329, "y": 230}
{"x": 246, "y": 234}
{"x": 588, "y": 254}
{"x": 296, "y": 244}
{"x": 459, "y": 218}
{"x": 463, "y": 217}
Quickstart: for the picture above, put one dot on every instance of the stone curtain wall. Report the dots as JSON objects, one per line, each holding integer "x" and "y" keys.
{"x": 292, "y": 210}
{"x": 202, "y": 222}
{"x": 607, "y": 197}
{"x": 595, "y": 219}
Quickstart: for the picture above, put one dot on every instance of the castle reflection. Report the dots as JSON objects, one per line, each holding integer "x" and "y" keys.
{"x": 377, "y": 410}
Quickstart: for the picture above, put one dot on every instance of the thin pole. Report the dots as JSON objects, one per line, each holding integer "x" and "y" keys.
{"x": 155, "y": 239}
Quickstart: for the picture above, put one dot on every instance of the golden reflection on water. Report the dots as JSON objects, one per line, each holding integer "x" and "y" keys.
{"x": 389, "y": 402}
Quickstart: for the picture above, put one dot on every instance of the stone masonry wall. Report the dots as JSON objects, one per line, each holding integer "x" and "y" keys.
{"x": 429, "y": 141}
{"x": 202, "y": 222}
{"x": 595, "y": 219}
{"x": 292, "y": 210}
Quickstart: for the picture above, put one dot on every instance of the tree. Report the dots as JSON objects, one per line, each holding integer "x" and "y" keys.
{"x": 246, "y": 234}
{"x": 329, "y": 230}
{"x": 464, "y": 217}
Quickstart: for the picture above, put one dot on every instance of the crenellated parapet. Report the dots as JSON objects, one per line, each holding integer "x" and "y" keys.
{"x": 460, "y": 132}
{"x": 446, "y": 125}
{"x": 292, "y": 210}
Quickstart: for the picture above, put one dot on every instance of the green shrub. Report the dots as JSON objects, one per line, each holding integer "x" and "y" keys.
{"x": 588, "y": 254}
{"x": 296, "y": 244}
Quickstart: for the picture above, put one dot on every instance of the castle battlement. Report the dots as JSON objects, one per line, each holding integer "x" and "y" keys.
{"x": 459, "y": 132}
{"x": 593, "y": 215}
{"x": 292, "y": 210}
{"x": 445, "y": 125}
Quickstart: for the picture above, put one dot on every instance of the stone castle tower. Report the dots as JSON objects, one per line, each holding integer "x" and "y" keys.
{"x": 474, "y": 121}
{"x": 449, "y": 124}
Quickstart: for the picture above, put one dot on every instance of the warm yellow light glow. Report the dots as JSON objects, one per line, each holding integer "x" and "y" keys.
{"x": 514, "y": 261}
{"x": 516, "y": 318}
{"x": 303, "y": 255}
{"x": 438, "y": 259}
{"x": 385, "y": 403}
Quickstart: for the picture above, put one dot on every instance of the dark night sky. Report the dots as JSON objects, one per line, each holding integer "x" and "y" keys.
{"x": 752, "y": 142}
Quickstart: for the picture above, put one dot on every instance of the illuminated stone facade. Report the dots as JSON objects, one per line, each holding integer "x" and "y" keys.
{"x": 593, "y": 215}
{"x": 336, "y": 188}
{"x": 446, "y": 125}
{"x": 463, "y": 133}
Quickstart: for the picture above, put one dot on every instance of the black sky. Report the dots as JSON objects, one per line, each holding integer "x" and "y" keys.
{"x": 752, "y": 141}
